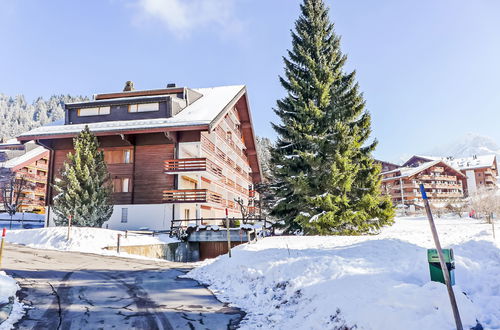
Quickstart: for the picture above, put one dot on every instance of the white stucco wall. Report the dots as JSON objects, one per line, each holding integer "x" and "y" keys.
{"x": 471, "y": 181}
{"x": 151, "y": 216}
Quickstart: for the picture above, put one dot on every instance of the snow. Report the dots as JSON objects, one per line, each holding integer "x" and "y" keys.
{"x": 8, "y": 288}
{"x": 375, "y": 282}
{"x": 82, "y": 239}
{"x": 468, "y": 163}
{"x": 201, "y": 112}
{"x": 30, "y": 155}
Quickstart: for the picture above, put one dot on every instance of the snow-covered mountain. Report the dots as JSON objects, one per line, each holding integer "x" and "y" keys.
{"x": 466, "y": 146}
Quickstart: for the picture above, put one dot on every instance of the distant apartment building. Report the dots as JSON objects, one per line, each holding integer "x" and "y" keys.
{"x": 441, "y": 181}
{"x": 481, "y": 171}
{"x": 386, "y": 166}
{"x": 175, "y": 153}
{"x": 29, "y": 162}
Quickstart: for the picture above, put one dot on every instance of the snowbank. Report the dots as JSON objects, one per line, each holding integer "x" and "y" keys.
{"x": 82, "y": 239}
{"x": 8, "y": 288}
{"x": 374, "y": 282}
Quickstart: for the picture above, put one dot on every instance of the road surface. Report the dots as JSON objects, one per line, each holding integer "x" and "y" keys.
{"x": 72, "y": 290}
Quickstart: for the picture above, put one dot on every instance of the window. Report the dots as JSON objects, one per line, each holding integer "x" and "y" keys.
{"x": 126, "y": 156}
{"x": 186, "y": 214}
{"x": 124, "y": 215}
{"x": 121, "y": 185}
{"x": 125, "y": 184}
{"x": 97, "y": 111}
{"x": 144, "y": 107}
{"x": 122, "y": 156}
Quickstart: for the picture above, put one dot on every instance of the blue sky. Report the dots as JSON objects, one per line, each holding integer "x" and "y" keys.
{"x": 429, "y": 69}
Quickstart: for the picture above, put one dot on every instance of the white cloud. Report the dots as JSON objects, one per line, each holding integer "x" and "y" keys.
{"x": 182, "y": 17}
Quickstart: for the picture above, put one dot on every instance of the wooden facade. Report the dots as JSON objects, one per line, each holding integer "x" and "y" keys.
{"x": 33, "y": 168}
{"x": 442, "y": 183}
{"x": 198, "y": 169}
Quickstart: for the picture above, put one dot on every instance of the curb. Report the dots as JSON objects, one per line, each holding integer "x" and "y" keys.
{"x": 6, "y": 309}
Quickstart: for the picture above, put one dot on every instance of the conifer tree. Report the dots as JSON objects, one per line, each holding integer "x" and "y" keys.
{"x": 84, "y": 188}
{"x": 325, "y": 179}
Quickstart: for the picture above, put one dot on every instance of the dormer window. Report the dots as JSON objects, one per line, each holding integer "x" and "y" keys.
{"x": 144, "y": 107}
{"x": 97, "y": 111}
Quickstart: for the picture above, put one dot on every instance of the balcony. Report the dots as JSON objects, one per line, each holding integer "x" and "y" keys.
{"x": 192, "y": 165}
{"x": 192, "y": 196}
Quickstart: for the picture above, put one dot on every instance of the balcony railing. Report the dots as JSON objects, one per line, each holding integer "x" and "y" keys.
{"x": 192, "y": 196}
{"x": 192, "y": 165}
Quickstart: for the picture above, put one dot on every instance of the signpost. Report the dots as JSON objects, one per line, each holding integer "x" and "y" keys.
{"x": 442, "y": 262}
{"x": 228, "y": 234}
{"x": 69, "y": 227}
{"x": 4, "y": 231}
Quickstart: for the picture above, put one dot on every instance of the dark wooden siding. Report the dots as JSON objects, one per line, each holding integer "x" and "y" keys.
{"x": 214, "y": 249}
{"x": 120, "y": 112}
{"x": 150, "y": 179}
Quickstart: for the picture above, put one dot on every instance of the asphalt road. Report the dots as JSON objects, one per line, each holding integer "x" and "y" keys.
{"x": 71, "y": 290}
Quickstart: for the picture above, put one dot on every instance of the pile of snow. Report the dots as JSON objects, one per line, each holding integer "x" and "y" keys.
{"x": 8, "y": 288}
{"x": 82, "y": 239}
{"x": 373, "y": 282}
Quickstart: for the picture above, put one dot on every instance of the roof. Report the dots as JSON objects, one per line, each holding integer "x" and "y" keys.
{"x": 428, "y": 158}
{"x": 27, "y": 157}
{"x": 203, "y": 112}
{"x": 468, "y": 163}
{"x": 405, "y": 172}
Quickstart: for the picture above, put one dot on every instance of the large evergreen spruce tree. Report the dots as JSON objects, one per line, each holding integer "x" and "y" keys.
{"x": 325, "y": 178}
{"x": 84, "y": 188}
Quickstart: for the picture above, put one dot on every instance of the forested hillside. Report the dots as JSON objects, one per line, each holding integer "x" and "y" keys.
{"x": 17, "y": 115}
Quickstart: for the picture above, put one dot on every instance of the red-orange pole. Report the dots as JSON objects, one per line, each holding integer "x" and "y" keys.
{"x": 4, "y": 231}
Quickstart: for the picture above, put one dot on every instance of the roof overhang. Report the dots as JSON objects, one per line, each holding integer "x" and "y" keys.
{"x": 240, "y": 100}
{"x": 116, "y": 131}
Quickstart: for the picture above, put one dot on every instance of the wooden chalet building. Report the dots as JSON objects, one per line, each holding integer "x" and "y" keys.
{"x": 481, "y": 171}
{"x": 173, "y": 153}
{"x": 31, "y": 163}
{"x": 442, "y": 183}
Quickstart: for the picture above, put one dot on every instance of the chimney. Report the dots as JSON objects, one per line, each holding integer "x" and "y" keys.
{"x": 170, "y": 85}
{"x": 129, "y": 86}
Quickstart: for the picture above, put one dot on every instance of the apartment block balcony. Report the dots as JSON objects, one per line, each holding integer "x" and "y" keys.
{"x": 426, "y": 177}
{"x": 489, "y": 179}
{"x": 192, "y": 165}
{"x": 192, "y": 196}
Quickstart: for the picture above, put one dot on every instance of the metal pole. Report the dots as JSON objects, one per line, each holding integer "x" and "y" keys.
{"x": 228, "y": 234}
{"x": 442, "y": 263}
{"x": 69, "y": 227}
{"x": 1, "y": 246}
{"x": 118, "y": 243}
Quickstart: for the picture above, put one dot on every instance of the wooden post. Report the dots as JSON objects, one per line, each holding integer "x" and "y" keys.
{"x": 118, "y": 243}
{"x": 228, "y": 234}
{"x": 69, "y": 226}
{"x": 442, "y": 263}
{"x": 4, "y": 231}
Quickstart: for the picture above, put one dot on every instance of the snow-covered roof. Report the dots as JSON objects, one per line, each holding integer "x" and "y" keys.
{"x": 410, "y": 171}
{"x": 37, "y": 152}
{"x": 472, "y": 162}
{"x": 201, "y": 112}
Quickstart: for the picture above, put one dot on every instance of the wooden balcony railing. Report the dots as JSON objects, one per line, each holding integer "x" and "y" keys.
{"x": 192, "y": 196}
{"x": 192, "y": 165}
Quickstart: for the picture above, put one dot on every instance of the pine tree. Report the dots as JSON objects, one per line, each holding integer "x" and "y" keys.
{"x": 325, "y": 179}
{"x": 84, "y": 189}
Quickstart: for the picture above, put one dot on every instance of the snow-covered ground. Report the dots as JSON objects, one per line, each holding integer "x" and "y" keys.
{"x": 8, "y": 288}
{"x": 82, "y": 239}
{"x": 373, "y": 282}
